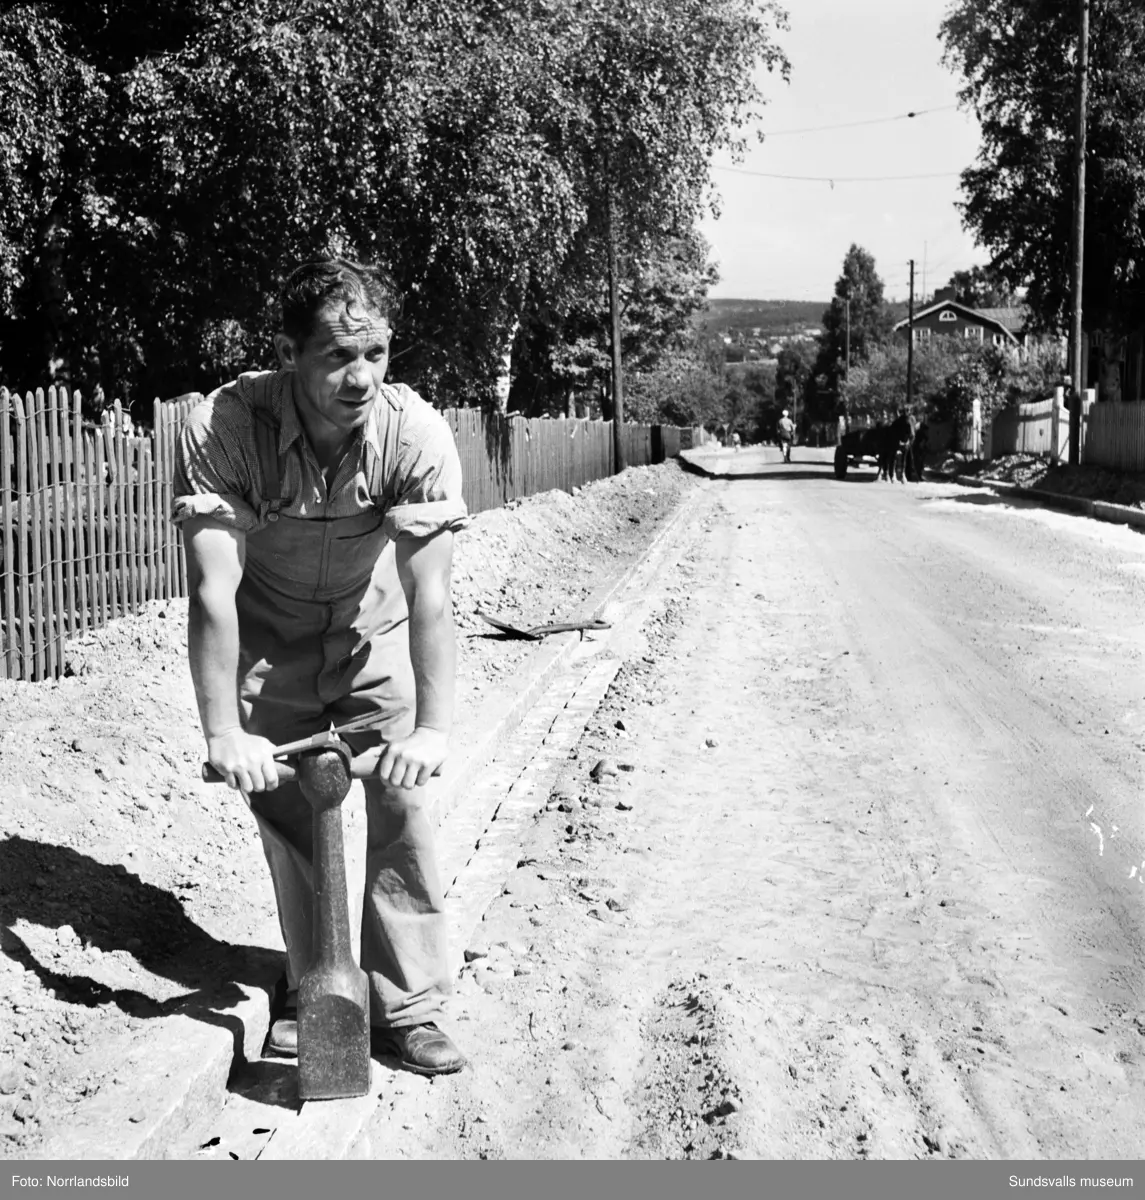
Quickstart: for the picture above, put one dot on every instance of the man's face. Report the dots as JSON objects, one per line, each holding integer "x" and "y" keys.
{"x": 340, "y": 367}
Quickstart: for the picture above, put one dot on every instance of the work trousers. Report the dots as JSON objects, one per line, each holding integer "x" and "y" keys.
{"x": 403, "y": 911}
{"x": 294, "y": 691}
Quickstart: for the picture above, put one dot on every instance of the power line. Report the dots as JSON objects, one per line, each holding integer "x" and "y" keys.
{"x": 834, "y": 179}
{"x": 921, "y": 112}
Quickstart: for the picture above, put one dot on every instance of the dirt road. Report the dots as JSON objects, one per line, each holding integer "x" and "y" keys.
{"x": 867, "y": 881}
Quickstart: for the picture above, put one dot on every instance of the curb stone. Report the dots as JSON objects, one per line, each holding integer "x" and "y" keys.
{"x": 694, "y": 460}
{"x": 179, "y": 1075}
{"x": 531, "y": 680}
{"x": 176, "y": 1078}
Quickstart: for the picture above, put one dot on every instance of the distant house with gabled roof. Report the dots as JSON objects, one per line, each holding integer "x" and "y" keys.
{"x": 1005, "y": 327}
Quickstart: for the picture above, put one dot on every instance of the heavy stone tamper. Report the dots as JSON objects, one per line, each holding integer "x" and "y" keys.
{"x": 333, "y": 996}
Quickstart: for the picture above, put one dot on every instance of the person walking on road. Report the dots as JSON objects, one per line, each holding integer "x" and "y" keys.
{"x": 786, "y": 431}
{"x": 318, "y": 506}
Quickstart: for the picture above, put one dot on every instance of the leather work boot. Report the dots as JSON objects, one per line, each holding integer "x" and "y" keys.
{"x": 421, "y": 1048}
{"x": 282, "y": 1039}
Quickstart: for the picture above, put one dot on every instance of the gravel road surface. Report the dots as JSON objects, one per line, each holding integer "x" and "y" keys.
{"x": 868, "y": 878}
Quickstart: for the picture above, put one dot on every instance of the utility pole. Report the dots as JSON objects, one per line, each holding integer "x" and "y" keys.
{"x": 910, "y": 342}
{"x": 618, "y": 463}
{"x": 1076, "y": 332}
{"x": 847, "y": 360}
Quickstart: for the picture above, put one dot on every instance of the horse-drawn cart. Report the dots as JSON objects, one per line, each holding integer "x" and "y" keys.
{"x": 898, "y": 449}
{"x": 857, "y": 446}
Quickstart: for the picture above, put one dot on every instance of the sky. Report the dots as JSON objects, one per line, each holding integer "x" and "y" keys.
{"x": 851, "y": 61}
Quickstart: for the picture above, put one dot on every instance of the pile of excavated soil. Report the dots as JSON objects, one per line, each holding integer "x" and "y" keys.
{"x": 1033, "y": 471}
{"x": 126, "y": 884}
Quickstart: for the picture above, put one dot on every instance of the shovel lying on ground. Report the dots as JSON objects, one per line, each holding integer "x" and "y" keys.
{"x": 540, "y": 631}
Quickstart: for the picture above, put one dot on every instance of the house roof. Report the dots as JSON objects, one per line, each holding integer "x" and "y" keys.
{"x": 1014, "y": 318}
{"x": 1009, "y": 321}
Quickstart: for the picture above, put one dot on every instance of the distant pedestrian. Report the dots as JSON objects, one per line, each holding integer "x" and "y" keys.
{"x": 735, "y": 441}
{"x": 786, "y": 431}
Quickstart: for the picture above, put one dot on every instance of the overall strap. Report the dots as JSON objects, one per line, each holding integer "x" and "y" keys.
{"x": 380, "y": 471}
{"x": 266, "y": 438}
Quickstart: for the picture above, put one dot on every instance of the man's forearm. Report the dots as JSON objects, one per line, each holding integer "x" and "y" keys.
{"x": 213, "y": 652}
{"x": 433, "y": 653}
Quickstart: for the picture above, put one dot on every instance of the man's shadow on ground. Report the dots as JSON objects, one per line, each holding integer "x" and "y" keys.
{"x": 112, "y": 909}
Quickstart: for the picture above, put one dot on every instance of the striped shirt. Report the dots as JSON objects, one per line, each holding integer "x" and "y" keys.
{"x": 402, "y": 461}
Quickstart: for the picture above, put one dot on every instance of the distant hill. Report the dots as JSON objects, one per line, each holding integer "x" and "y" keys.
{"x": 772, "y": 317}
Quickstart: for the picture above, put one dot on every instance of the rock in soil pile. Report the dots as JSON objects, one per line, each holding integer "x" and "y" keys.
{"x": 128, "y": 888}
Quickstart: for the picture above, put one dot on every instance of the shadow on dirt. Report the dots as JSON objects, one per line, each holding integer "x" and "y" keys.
{"x": 824, "y": 474}
{"x": 815, "y": 469}
{"x": 990, "y": 499}
{"x": 984, "y": 500}
{"x": 111, "y": 909}
{"x": 785, "y": 472}
{"x": 271, "y": 1081}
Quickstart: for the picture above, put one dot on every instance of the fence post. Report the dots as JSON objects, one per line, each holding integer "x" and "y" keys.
{"x": 11, "y": 537}
{"x": 1055, "y": 425}
{"x": 1087, "y": 399}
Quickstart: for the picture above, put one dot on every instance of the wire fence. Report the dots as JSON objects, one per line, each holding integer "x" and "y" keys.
{"x": 84, "y": 531}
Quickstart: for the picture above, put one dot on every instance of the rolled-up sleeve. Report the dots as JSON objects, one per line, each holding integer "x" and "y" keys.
{"x": 428, "y": 479}
{"x": 212, "y": 477}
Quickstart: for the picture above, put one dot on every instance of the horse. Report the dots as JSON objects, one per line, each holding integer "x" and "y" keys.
{"x": 898, "y": 437}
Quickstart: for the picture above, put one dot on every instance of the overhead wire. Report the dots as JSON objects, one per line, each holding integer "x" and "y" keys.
{"x": 920, "y": 112}
{"x": 834, "y": 179}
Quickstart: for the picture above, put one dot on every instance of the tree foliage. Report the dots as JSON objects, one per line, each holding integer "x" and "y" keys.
{"x": 794, "y": 370}
{"x": 163, "y": 164}
{"x": 982, "y": 287}
{"x": 754, "y": 402}
{"x": 566, "y": 350}
{"x": 1017, "y": 58}
{"x": 870, "y": 324}
{"x": 949, "y": 373}
{"x": 682, "y": 389}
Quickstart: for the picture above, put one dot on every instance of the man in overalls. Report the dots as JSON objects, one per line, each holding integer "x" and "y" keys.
{"x": 318, "y": 506}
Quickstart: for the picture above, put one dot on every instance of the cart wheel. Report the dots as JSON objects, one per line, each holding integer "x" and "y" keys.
{"x": 840, "y": 463}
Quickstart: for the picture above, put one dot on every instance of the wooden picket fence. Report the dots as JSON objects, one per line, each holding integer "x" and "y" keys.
{"x": 1030, "y": 429}
{"x": 1115, "y": 435}
{"x": 84, "y": 530}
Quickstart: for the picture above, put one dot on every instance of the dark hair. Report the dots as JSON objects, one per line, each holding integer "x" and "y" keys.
{"x": 316, "y": 285}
